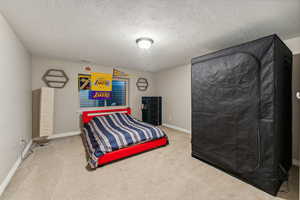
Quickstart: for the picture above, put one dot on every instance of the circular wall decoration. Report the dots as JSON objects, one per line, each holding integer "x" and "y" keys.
{"x": 142, "y": 84}
{"x": 55, "y": 78}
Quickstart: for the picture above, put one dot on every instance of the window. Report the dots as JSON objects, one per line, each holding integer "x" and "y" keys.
{"x": 119, "y": 96}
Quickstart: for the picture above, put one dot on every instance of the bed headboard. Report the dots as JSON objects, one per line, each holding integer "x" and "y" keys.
{"x": 88, "y": 115}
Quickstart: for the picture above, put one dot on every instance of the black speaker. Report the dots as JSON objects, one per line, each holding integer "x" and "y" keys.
{"x": 151, "y": 110}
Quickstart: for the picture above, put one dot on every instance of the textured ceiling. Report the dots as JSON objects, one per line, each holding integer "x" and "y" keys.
{"x": 104, "y": 31}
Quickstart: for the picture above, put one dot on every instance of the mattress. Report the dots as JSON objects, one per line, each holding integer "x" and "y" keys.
{"x": 104, "y": 134}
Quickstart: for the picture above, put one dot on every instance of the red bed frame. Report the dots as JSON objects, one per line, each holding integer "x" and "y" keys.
{"x": 124, "y": 152}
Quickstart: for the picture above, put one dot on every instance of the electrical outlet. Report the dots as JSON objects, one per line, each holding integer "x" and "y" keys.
{"x": 23, "y": 141}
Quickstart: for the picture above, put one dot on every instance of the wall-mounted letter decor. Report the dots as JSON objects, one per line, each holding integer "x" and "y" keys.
{"x": 55, "y": 78}
{"x": 142, "y": 84}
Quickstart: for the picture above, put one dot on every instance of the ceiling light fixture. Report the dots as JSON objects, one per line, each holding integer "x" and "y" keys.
{"x": 144, "y": 43}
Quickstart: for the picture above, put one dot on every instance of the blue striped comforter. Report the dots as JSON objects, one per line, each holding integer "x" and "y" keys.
{"x": 105, "y": 134}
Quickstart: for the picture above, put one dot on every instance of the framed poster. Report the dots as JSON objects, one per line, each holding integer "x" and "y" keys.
{"x": 100, "y": 95}
{"x": 84, "y": 82}
{"x": 101, "y": 82}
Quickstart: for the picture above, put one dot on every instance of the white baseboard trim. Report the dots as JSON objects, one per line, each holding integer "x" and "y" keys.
{"x": 25, "y": 151}
{"x": 296, "y": 162}
{"x": 14, "y": 168}
{"x": 177, "y": 128}
{"x": 62, "y": 135}
{"x": 296, "y": 52}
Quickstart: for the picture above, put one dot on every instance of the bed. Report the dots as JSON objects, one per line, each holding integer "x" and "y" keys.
{"x": 111, "y": 135}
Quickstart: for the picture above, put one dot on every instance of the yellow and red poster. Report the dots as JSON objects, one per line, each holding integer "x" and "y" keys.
{"x": 101, "y": 86}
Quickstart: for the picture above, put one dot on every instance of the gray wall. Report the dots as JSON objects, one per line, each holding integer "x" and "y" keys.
{"x": 174, "y": 85}
{"x": 67, "y": 109}
{"x": 15, "y": 101}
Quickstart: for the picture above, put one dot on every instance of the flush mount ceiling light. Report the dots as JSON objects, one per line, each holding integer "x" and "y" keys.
{"x": 144, "y": 43}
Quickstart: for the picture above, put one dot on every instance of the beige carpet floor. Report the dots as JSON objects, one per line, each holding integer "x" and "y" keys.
{"x": 57, "y": 172}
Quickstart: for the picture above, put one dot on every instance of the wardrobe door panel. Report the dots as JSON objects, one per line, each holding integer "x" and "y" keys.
{"x": 225, "y": 96}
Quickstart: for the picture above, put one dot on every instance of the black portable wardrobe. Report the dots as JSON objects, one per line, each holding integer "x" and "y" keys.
{"x": 241, "y": 111}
